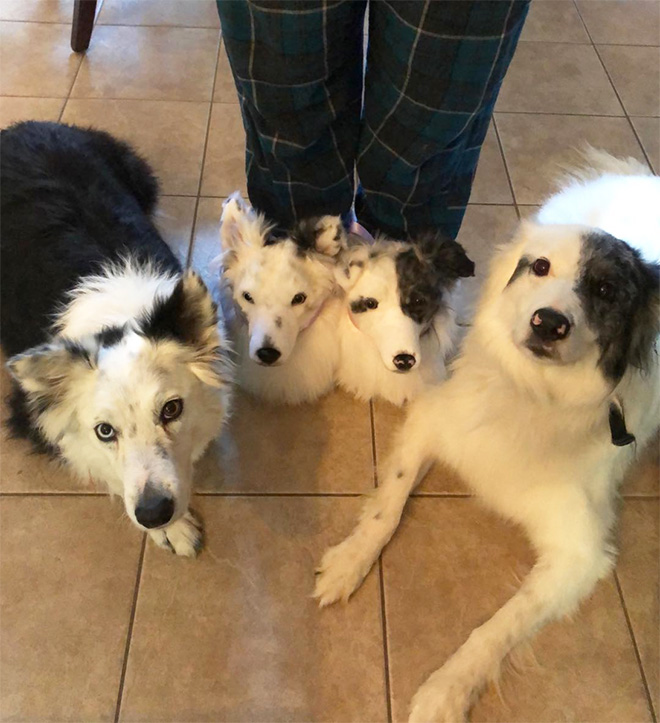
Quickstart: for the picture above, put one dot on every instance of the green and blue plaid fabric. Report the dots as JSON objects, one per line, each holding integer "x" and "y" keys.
{"x": 434, "y": 69}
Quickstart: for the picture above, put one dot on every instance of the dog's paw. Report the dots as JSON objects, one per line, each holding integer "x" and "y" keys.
{"x": 330, "y": 235}
{"x": 183, "y": 537}
{"x": 340, "y": 573}
{"x": 438, "y": 702}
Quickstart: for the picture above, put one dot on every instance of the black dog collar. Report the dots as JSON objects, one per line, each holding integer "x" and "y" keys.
{"x": 620, "y": 435}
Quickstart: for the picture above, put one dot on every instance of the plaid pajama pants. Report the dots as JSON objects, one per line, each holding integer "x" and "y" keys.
{"x": 412, "y": 135}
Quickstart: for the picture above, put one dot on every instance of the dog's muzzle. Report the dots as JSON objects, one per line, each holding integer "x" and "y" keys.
{"x": 154, "y": 509}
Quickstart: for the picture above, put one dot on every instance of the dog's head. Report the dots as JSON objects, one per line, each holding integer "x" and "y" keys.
{"x": 396, "y": 289}
{"x": 131, "y": 404}
{"x": 571, "y": 296}
{"x": 278, "y": 282}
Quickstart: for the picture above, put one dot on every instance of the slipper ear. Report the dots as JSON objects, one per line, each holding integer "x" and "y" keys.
{"x": 324, "y": 234}
{"x": 447, "y": 256}
{"x": 350, "y": 266}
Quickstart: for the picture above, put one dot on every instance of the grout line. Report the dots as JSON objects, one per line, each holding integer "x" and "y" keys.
{"x": 506, "y": 167}
{"x": 374, "y": 456}
{"x": 616, "y": 92}
{"x": 73, "y": 82}
{"x": 281, "y": 494}
{"x": 53, "y": 494}
{"x": 502, "y": 111}
{"x": 199, "y": 101}
{"x": 386, "y": 651}
{"x": 649, "y": 699}
{"x": 129, "y": 633}
{"x": 191, "y": 241}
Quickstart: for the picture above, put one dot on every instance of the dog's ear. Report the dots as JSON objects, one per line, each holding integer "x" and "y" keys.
{"x": 46, "y": 371}
{"x": 324, "y": 234}
{"x": 447, "y": 256}
{"x": 240, "y": 226}
{"x": 646, "y": 325}
{"x": 189, "y": 316}
{"x": 350, "y": 265}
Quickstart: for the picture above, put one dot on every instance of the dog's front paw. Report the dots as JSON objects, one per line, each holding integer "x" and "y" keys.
{"x": 438, "y": 702}
{"x": 340, "y": 573}
{"x": 183, "y": 537}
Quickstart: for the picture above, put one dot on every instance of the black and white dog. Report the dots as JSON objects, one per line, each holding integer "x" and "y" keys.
{"x": 118, "y": 362}
{"x": 557, "y": 386}
{"x": 398, "y": 325}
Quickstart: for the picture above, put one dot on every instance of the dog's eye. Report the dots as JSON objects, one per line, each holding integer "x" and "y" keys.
{"x": 416, "y": 300}
{"x": 541, "y": 267}
{"x": 606, "y": 291}
{"x": 248, "y": 297}
{"x": 105, "y": 432}
{"x": 171, "y": 410}
{"x": 299, "y": 299}
{"x": 371, "y": 303}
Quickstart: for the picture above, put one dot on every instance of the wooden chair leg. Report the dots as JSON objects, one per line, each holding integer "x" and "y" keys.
{"x": 84, "y": 12}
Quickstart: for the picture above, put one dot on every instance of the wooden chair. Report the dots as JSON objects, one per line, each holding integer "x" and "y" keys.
{"x": 84, "y": 12}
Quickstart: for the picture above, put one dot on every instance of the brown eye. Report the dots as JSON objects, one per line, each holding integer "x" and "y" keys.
{"x": 105, "y": 432}
{"x": 171, "y": 410}
{"x": 607, "y": 291}
{"x": 248, "y": 297}
{"x": 541, "y": 267}
{"x": 298, "y": 299}
{"x": 371, "y": 303}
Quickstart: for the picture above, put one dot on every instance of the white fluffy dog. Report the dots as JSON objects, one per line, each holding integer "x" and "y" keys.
{"x": 556, "y": 388}
{"x": 285, "y": 302}
{"x": 399, "y": 325}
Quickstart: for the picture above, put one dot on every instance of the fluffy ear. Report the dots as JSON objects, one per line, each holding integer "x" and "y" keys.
{"x": 323, "y": 234}
{"x": 45, "y": 372}
{"x": 240, "y": 226}
{"x": 447, "y": 256}
{"x": 189, "y": 316}
{"x": 350, "y": 265}
{"x": 646, "y": 326}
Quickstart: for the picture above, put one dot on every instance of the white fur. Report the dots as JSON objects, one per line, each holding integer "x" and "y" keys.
{"x": 126, "y": 385}
{"x": 305, "y": 334}
{"x": 369, "y": 341}
{"x": 531, "y": 439}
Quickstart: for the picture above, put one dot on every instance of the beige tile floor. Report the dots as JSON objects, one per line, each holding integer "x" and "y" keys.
{"x": 96, "y": 625}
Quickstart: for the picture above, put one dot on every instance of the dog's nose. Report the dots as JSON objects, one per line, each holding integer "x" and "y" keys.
{"x": 404, "y": 362}
{"x": 268, "y": 355}
{"x": 153, "y": 508}
{"x": 550, "y": 325}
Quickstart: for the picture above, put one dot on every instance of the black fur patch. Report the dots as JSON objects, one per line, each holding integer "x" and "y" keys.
{"x": 426, "y": 271}
{"x": 626, "y": 322}
{"x": 110, "y": 335}
{"x": 20, "y": 423}
{"x": 523, "y": 265}
{"x": 359, "y": 306}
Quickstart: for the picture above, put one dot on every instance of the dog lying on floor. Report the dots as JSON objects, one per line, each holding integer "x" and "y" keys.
{"x": 118, "y": 362}
{"x": 556, "y": 388}
{"x": 398, "y": 326}
{"x": 286, "y": 309}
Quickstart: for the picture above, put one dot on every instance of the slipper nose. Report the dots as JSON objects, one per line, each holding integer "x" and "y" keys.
{"x": 154, "y": 509}
{"x": 549, "y": 325}
{"x": 268, "y": 355}
{"x": 404, "y": 362}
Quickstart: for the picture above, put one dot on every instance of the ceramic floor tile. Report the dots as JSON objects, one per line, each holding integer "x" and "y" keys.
{"x": 320, "y": 447}
{"x": 635, "y": 72}
{"x": 148, "y": 63}
{"x": 387, "y": 422}
{"x": 225, "y": 90}
{"x": 235, "y": 636}
{"x": 43, "y": 11}
{"x": 189, "y": 13}
{"x": 638, "y": 575}
{"x": 174, "y": 218}
{"x": 206, "y": 242}
{"x": 644, "y": 477}
{"x": 36, "y": 59}
{"x": 449, "y": 568}
{"x": 16, "y": 109}
{"x": 490, "y": 182}
{"x": 557, "y": 78}
{"x": 224, "y": 166}
{"x": 627, "y": 22}
{"x": 484, "y": 228}
{"x": 648, "y": 130}
{"x": 169, "y": 134}
{"x": 22, "y": 469}
{"x": 68, "y": 570}
{"x": 536, "y": 146}
{"x": 555, "y": 21}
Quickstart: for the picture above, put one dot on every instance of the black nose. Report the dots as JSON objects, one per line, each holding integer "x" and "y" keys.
{"x": 153, "y": 509}
{"x": 268, "y": 355}
{"x": 404, "y": 362}
{"x": 550, "y": 325}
